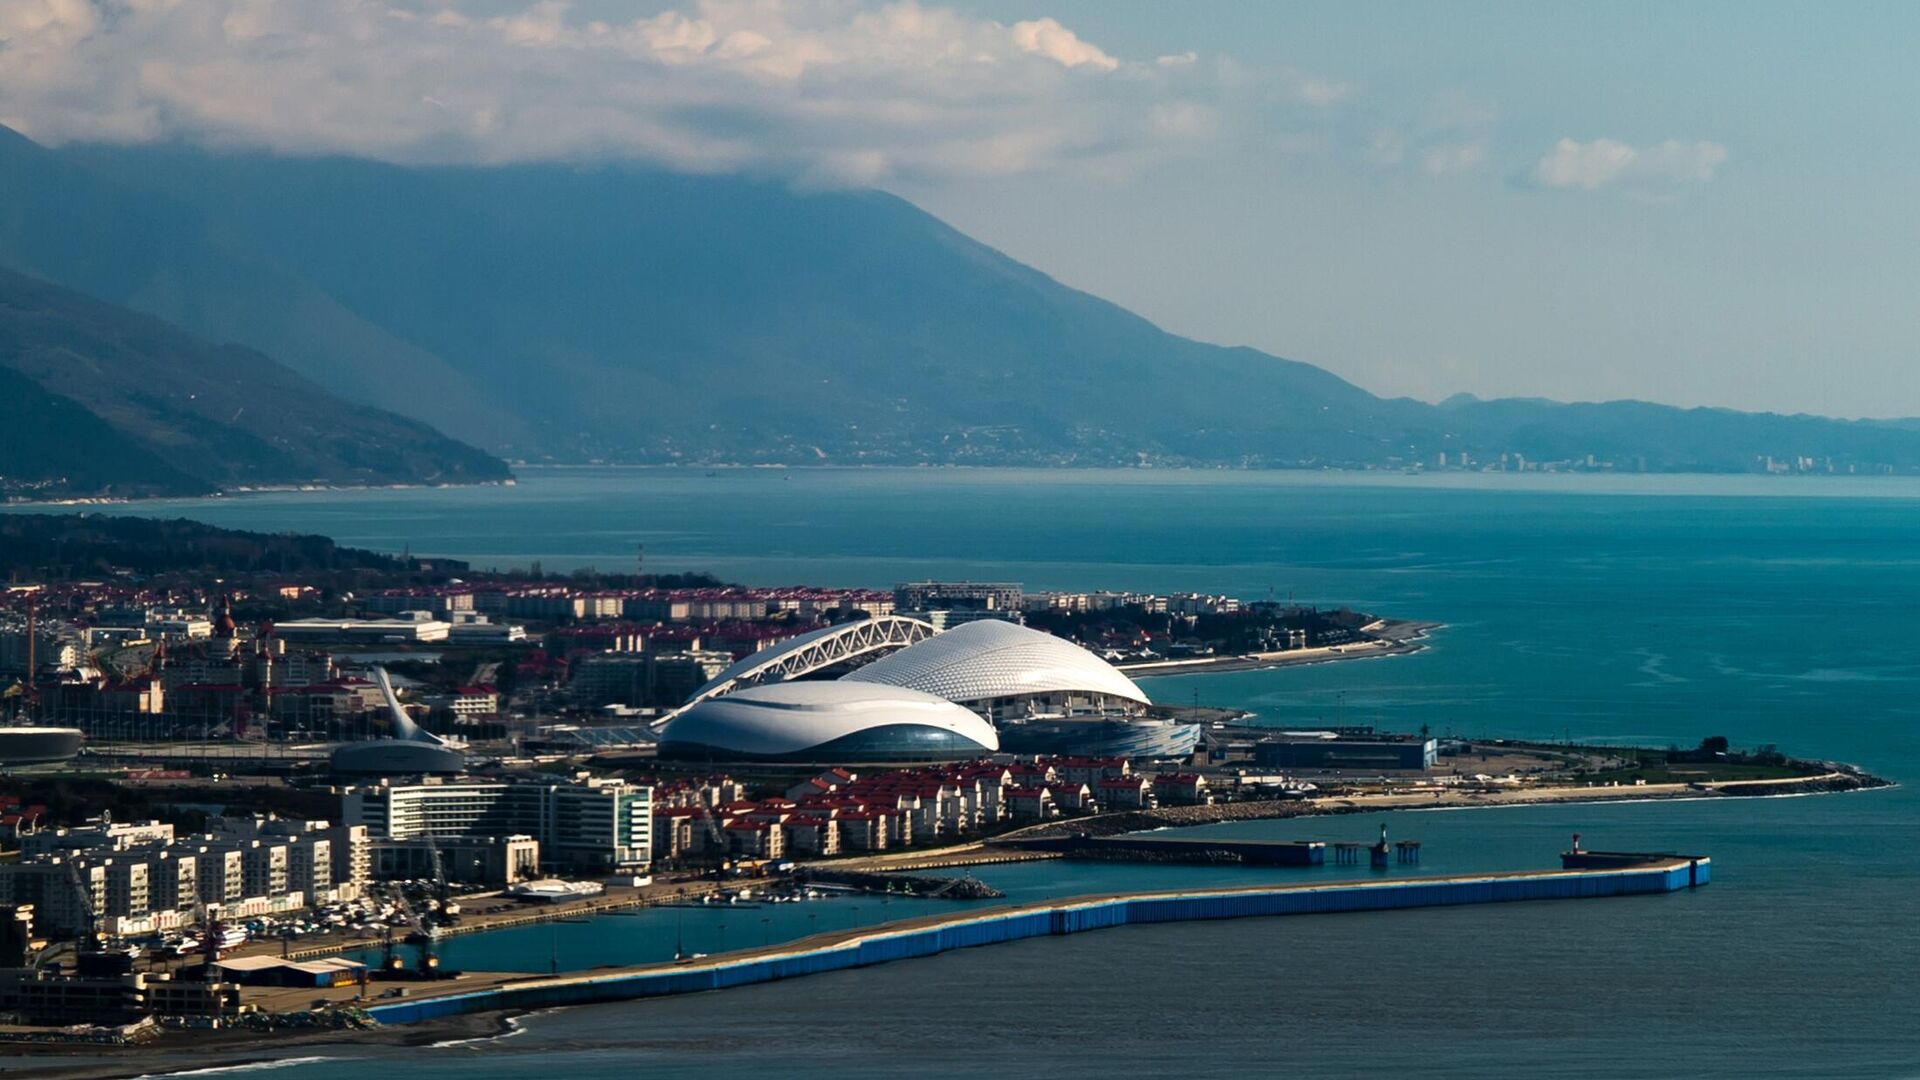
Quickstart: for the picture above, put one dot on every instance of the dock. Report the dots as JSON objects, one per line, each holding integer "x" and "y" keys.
{"x": 1186, "y": 849}
{"x": 935, "y": 934}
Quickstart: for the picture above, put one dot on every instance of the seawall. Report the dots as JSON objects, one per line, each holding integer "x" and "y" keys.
{"x": 931, "y": 935}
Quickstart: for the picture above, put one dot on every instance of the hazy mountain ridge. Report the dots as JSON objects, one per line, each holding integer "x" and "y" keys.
{"x": 624, "y": 314}
{"x": 108, "y": 401}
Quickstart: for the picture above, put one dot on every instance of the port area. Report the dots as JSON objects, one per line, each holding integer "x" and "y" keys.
{"x": 475, "y": 992}
{"x": 477, "y": 1004}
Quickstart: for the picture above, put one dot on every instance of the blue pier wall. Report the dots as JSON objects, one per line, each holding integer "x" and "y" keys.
{"x": 881, "y": 945}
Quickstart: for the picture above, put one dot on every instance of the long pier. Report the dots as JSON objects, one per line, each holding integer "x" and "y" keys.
{"x": 1185, "y": 849}
{"x": 931, "y": 935}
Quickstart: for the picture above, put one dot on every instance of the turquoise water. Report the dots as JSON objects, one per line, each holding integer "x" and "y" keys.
{"x": 1646, "y": 609}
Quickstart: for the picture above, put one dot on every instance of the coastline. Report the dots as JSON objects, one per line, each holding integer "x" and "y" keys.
{"x": 234, "y": 1049}
{"x": 1392, "y": 637}
{"x": 488, "y": 1007}
{"x": 1836, "y": 781}
{"x": 265, "y": 1049}
{"x": 248, "y": 489}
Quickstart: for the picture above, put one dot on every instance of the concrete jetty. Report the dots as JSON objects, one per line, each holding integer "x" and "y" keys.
{"x": 1185, "y": 849}
{"x": 931, "y": 935}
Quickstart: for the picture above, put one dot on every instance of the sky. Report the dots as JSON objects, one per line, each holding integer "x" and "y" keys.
{"x": 1700, "y": 204}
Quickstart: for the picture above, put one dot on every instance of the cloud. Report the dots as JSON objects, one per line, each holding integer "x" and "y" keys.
{"x": 1590, "y": 165}
{"x": 1048, "y": 38}
{"x": 1447, "y": 159}
{"x": 1389, "y": 147}
{"x": 834, "y": 90}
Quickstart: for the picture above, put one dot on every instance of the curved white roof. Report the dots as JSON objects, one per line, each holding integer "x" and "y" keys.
{"x": 992, "y": 658}
{"x": 786, "y": 718}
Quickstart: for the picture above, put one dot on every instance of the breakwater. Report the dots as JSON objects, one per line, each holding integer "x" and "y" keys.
{"x": 898, "y": 884}
{"x": 931, "y": 935}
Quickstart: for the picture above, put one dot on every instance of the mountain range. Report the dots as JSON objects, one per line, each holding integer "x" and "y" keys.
{"x": 612, "y": 312}
{"x": 100, "y": 400}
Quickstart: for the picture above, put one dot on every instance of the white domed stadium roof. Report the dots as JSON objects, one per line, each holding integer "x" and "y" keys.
{"x": 840, "y": 721}
{"x": 991, "y": 658}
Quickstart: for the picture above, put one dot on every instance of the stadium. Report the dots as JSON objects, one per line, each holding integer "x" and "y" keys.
{"x": 827, "y": 722}
{"x": 892, "y": 690}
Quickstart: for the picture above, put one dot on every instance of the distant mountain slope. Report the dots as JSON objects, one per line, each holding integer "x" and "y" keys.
{"x": 626, "y": 314}
{"x": 112, "y": 399}
{"x": 51, "y": 447}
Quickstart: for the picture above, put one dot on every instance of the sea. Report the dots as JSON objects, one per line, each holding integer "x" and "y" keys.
{"x": 1593, "y": 608}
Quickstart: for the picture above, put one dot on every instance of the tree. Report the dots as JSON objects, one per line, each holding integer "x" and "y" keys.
{"x": 1714, "y": 744}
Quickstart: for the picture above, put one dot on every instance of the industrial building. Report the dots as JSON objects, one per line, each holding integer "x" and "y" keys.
{"x": 1332, "y": 751}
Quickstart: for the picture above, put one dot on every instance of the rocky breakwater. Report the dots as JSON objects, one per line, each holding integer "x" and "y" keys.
{"x": 897, "y": 884}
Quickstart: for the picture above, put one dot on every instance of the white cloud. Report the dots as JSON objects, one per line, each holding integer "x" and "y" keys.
{"x": 1320, "y": 92}
{"x": 836, "y": 90}
{"x": 1447, "y": 159}
{"x": 1048, "y": 38}
{"x": 1590, "y": 165}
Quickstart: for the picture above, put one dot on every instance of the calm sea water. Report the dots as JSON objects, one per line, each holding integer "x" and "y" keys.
{"x": 1653, "y": 610}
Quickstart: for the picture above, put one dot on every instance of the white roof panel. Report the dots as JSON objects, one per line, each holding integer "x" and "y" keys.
{"x": 990, "y": 658}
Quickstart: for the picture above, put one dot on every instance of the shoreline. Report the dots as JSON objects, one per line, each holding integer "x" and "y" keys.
{"x": 1833, "y": 782}
{"x": 443, "y": 1020}
{"x": 233, "y": 1049}
{"x": 1396, "y": 637}
{"x": 250, "y": 489}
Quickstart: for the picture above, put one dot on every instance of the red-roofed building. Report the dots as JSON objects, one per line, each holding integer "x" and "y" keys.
{"x": 1072, "y": 796}
{"x": 1031, "y": 803}
{"x": 811, "y": 835}
{"x": 755, "y": 839}
{"x": 1185, "y": 788}
{"x": 1124, "y": 793}
{"x": 862, "y": 830}
{"x": 1091, "y": 770}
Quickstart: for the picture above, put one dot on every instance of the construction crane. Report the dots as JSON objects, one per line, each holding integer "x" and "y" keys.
{"x": 716, "y": 838}
{"x": 443, "y": 904}
{"x": 89, "y": 919}
{"x": 423, "y": 936}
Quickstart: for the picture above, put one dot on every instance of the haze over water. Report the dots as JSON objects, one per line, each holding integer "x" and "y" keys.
{"x": 1652, "y": 610}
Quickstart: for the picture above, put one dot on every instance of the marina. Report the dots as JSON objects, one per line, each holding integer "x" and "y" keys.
{"x": 937, "y": 934}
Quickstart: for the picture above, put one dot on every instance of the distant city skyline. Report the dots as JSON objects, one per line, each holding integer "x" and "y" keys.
{"x": 1698, "y": 205}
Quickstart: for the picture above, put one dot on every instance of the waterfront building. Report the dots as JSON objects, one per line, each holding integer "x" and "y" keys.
{"x": 1031, "y": 803}
{"x": 582, "y": 823}
{"x": 131, "y": 879}
{"x": 948, "y": 618}
{"x": 468, "y": 860}
{"x": 1125, "y": 793}
{"x": 1186, "y": 789}
{"x": 1332, "y": 751}
{"x": 950, "y": 595}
